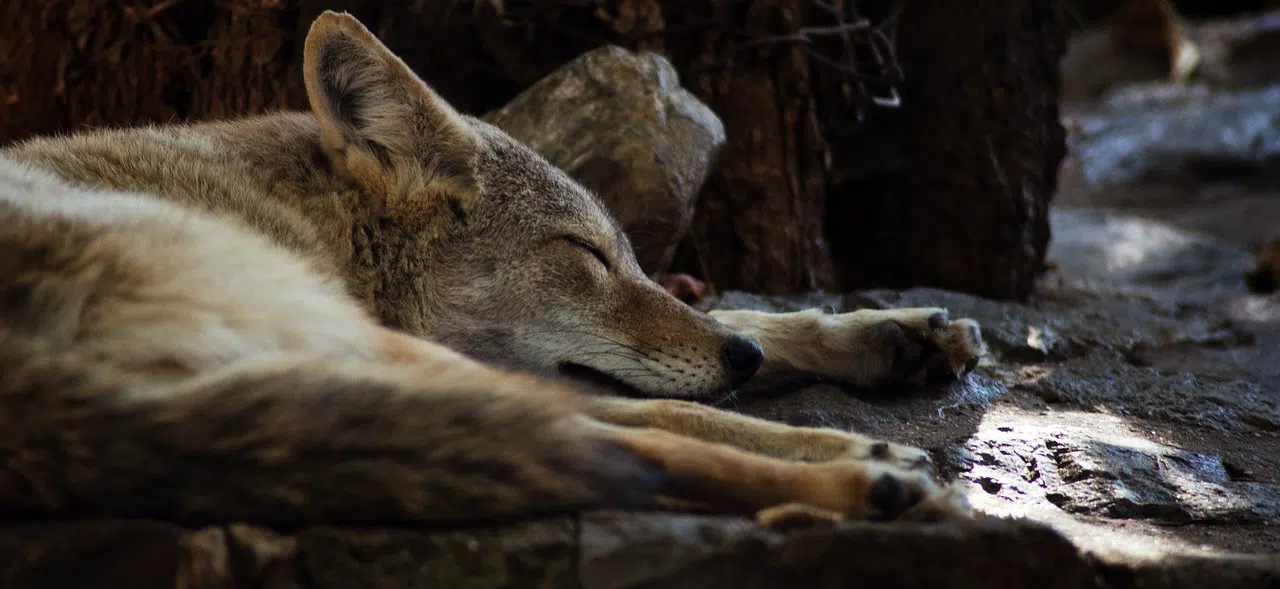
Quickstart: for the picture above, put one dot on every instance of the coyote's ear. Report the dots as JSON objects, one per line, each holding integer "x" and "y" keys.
{"x": 378, "y": 121}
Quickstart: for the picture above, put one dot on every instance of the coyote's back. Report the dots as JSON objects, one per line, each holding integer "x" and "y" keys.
{"x": 160, "y": 362}
{"x": 230, "y": 320}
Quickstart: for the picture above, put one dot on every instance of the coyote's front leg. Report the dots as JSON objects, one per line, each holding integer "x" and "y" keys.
{"x": 760, "y": 436}
{"x": 698, "y": 472}
{"x": 868, "y": 347}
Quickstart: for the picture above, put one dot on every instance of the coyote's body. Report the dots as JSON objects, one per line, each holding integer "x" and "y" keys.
{"x": 350, "y": 315}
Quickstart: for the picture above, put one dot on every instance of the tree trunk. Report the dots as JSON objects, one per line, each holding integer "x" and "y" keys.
{"x": 759, "y": 222}
{"x": 958, "y": 195}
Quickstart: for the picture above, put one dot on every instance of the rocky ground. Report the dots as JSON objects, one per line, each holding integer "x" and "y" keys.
{"x": 1124, "y": 432}
{"x": 1133, "y": 405}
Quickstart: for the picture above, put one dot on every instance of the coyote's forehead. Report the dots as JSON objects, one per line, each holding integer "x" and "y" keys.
{"x": 519, "y": 186}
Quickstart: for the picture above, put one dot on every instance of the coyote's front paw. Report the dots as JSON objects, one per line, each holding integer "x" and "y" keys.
{"x": 919, "y": 345}
{"x": 893, "y": 494}
{"x": 879, "y": 492}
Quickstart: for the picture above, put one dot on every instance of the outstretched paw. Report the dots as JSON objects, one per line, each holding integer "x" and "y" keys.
{"x": 893, "y": 494}
{"x": 947, "y": 504}
{"x": 879, "y": 492}
{"x": 921, "y": 345}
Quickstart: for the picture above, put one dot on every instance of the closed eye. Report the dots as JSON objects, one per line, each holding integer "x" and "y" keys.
{"x": 595, "y": 251}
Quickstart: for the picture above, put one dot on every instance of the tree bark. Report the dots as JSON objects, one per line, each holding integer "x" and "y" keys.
{"x": 759, "y": 222}
{"x": 966, "y": 169}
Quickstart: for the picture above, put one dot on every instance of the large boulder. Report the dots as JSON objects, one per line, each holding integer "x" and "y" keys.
{"x": 620, "y": 123}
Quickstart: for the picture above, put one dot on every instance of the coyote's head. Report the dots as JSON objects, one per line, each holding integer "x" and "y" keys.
{"x": 484, "y": 246}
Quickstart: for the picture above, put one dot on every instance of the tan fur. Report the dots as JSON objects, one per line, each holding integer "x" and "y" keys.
{"x": 361, "y": 314}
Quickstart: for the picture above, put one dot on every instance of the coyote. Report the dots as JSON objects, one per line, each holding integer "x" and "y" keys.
{"x": 385, "y": 311}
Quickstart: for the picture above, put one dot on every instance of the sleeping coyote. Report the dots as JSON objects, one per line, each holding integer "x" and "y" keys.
{"x": 365, "y": 313}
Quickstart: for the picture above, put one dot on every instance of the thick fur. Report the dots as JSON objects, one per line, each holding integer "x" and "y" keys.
{"x": 361, "y": 313}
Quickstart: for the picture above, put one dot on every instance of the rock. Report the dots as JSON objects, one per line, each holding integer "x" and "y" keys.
{"x": 1238, "y": 404}
{"x": 1096, "y": 337}
{"x": 143, "y": 554}
{"x": 604, "y": 550}
{"x": 1219, "y": 572}
{"x": 1102, "y": 465}
{"x": 1212, "y": 132}
{"x": 1118, "y": 252}
{"x": 84, "y": 554}
{"x": 139, "y": 554}
{"x": 1220, "y": 124}
{"x": 1096, "y": 61}
{"x": 620, "y": 123}
{"x": 928, "y": 418}
{"x": 541, "y": 553}
{"x": 622, "y": 551}
{"x": 599, "y": 550}
{"x": 1237, "y": 51}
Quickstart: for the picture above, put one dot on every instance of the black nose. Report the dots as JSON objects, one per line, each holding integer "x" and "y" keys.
{"x": 743, "y": 357}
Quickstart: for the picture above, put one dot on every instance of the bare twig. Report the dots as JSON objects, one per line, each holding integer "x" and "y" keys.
{"x": 806, "y": 34}
{"x": 853, "y": 32}
{"x": 855, "y": 48}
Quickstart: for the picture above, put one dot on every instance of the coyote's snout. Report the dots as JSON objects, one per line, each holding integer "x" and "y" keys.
{"x": 612, "y": 327}
{"x": 641, "y": 344}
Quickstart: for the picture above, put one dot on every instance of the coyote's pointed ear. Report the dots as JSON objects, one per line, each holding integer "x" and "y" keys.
{"x": 380, "y": 123}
